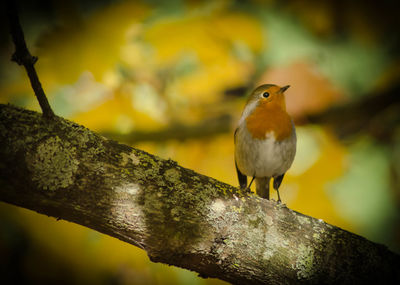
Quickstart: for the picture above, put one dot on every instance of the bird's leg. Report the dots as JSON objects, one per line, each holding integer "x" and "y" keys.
{"x": 251, "y": 182}
{"x": 279, "y": 196}
{"x": 277, "y": 183}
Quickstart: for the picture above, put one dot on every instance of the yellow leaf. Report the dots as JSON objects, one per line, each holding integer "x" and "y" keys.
{"x": 209, "y": 40}
{"x": 92, "y": 45}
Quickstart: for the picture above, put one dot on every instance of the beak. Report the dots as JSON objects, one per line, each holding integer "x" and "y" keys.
{"x": 284, "y": 88}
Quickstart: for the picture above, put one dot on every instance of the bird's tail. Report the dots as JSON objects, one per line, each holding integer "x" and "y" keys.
{"x": 262, "y": 187}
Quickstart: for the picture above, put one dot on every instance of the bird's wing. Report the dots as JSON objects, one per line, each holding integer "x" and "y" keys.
{"x": 278, "y": 181}
{"x": 234, "y": 135}
{"x": 241, "y": 177}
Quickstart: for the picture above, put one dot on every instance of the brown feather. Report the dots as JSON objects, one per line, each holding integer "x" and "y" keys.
{"x": 270, "y": 116}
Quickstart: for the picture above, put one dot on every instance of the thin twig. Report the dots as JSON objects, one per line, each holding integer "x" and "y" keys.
{"x": 23, "y": 57}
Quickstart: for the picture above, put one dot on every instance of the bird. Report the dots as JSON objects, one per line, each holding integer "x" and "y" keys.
{"x": 265, "y": 140}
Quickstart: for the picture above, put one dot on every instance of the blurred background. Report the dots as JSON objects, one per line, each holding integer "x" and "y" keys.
{"x": 171, "y": 78}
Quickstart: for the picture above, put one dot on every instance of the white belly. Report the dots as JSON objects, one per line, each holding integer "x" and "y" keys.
{"x": 263, "y": 158}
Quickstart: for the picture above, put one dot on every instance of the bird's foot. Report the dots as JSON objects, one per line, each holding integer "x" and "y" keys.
{"x": 247, "y": 190}
{"x": 280, "y": 204}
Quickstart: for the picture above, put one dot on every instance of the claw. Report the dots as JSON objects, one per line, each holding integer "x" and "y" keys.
{"x": 279, "y": 196}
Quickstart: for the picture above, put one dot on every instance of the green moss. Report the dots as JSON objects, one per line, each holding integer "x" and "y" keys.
{"x": 237, "y": 209}
{"x": 255, "y": 221}
{"x": 305, "y": 262}
{"x": 129, "y": 158}
{"x": 303, "y": 219}
{"x": 172, "y": 208}
{"x": 53, "y": 164}
{"x": 172, "y": 175}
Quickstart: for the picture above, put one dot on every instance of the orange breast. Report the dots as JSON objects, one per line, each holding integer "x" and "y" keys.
{"x": 269, "y": 118}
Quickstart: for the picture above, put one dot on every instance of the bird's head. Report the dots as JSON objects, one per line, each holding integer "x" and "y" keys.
{"x": 269, "y": 95}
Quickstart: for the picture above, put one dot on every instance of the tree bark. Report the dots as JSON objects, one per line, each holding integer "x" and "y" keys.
{"x": 179, "y": 217}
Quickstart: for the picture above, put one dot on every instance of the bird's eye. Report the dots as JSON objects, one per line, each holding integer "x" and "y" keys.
{"x": 265, "y": 94}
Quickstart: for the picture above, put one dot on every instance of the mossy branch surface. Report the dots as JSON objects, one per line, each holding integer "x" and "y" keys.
{"x": 179, "y": 217}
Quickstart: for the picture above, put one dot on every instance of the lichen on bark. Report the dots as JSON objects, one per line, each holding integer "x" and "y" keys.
{"x": 53, "y": 164}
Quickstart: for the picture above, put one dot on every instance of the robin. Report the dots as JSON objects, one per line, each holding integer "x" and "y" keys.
{"x": 265, "y": 140}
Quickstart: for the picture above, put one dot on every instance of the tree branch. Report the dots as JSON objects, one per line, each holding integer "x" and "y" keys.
{"x": 23, "y": 57}
{"x": 179, "y": 217}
